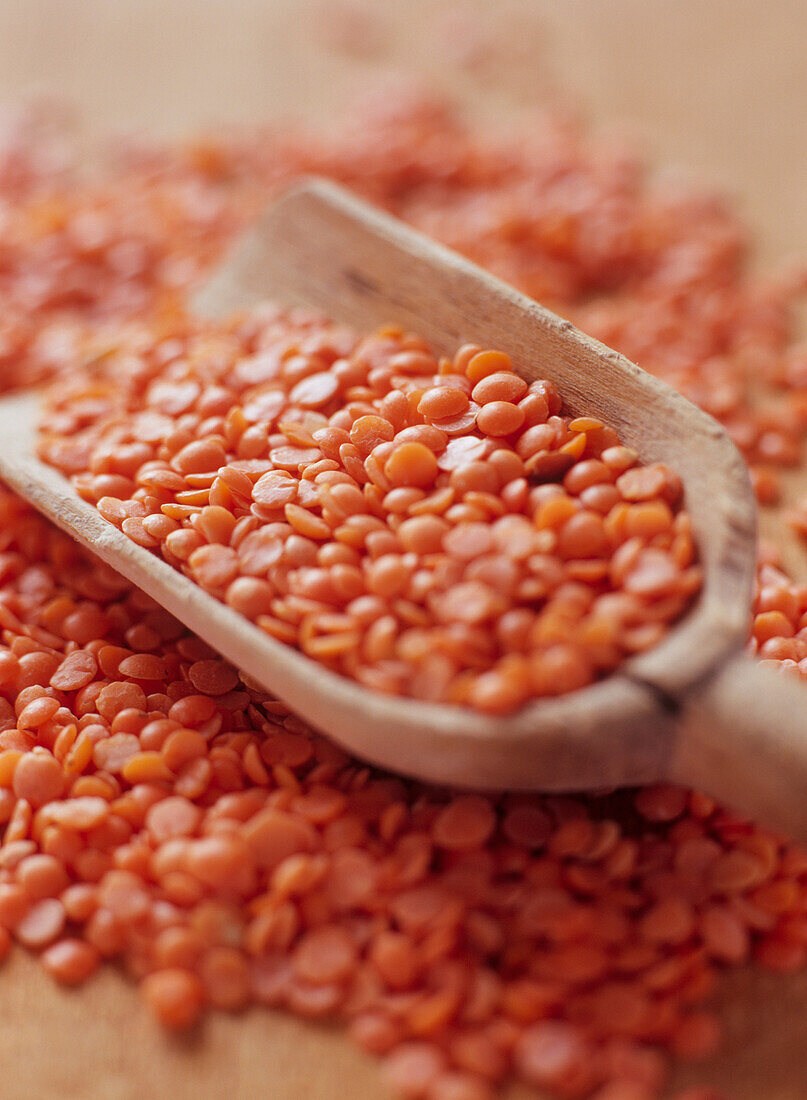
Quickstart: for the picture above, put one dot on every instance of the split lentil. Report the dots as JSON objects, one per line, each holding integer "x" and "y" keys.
{"x": 190, "y": 826}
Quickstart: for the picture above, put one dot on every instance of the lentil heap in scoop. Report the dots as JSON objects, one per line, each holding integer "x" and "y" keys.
{"x": 431, "y": 527}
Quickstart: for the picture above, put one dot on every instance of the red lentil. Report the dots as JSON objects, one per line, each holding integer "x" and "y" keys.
{"x": 70, "y": 962}
{"x": 572, "y": 933}
{"x": 175, "y": 996}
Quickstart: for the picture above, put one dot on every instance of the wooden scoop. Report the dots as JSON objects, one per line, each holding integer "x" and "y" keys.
{"x": 694, "y": 710}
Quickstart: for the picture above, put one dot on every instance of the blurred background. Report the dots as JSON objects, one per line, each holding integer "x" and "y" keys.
{"x": 718, "y": 87}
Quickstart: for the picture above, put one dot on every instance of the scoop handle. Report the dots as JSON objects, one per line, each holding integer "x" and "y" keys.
{"x": 744, "y": 740}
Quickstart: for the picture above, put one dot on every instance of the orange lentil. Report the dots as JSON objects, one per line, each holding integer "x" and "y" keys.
{"x": 442, "y": 402}
{"x": 42, "y": 923}
{"x": 274, "y": 490}
{"x": 485, "y": 363}
{"x": 182, "y": 746}
{"x": 466, "y": 823}
{"x": 499, "y": 418}
{"x": 504, "y": 386}
{"x": 670, "y": 921}
{"x": 325, "y": 955}
{"x": 41, "y": 876}
{"x": 413, "y": 1068}
{"x": 119, "y": 696}
{"x": 175, "y": 996}
{"x": 696, "y": 1036}
{"x": 172, "y": 817}
{"x": 552, "y": 1054}
{"x": 213, "y": 566}
{"x": 76, "y": 671}
{"x": 724, "y": 935}
{"x": 213, "y": 677}
{"x": 143, "y": 666}
{"x": 225, "y": 977}
{"x": 9, "y": 759}
{"x": 411, "y": 464}
{"x": 78, "y": 813}
{"x": 37, "y": 713}
{"x": 192, "y": 710}
{"x": 38, "y": 778}
{"x": 272, "y": 835}
{"x": 459, "y": 1086}
{"x": 70, "y": 961}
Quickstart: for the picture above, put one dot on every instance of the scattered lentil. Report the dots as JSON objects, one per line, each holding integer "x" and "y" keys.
{"x": 528, "y": 952}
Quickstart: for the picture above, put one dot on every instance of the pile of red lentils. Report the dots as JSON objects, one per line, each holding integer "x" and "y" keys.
{"x": 432, "y": 528}
{"x": 161, "y": 811}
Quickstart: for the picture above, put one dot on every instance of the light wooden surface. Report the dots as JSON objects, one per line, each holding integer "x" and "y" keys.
{"x": 715, "y": 88}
